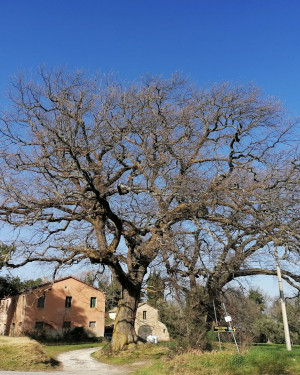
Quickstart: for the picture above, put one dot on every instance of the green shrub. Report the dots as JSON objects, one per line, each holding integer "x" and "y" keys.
{"x": 237, "y": 360}
{"x": 77, "y": 334}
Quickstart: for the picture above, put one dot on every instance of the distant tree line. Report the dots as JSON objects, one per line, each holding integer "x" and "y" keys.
{"x": 10, "y": 286}
{"x": 256, "y": 316}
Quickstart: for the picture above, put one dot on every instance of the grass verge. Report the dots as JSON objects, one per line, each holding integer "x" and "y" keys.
{"x": 24, "y": 354}
{"x": 259, "y": 360}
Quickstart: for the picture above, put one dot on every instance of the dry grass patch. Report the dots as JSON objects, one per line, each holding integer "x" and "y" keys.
{"x": 136, "y": 353}
{"x": 22, "y": 353}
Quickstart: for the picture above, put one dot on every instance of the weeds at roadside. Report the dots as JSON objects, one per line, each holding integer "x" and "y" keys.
{"x": 256, "y": 361}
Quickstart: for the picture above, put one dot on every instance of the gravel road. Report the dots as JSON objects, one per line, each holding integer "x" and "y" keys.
{"x": 77, "y": 362}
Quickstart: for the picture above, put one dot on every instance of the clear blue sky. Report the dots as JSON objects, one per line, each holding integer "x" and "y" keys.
{"x": 209, "y": 41}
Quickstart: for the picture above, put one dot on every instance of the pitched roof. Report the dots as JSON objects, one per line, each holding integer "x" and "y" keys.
{"x": 139, "y": 305}
{"x": 146, "y": 303}
{"x": 51, "y": 283}
{"x": 62, "y": 279}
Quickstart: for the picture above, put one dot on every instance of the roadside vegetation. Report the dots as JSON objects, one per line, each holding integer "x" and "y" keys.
{"x": 254, "y": 362}
{"x": 165, "y": 358}
{"x": 265, "y": 359}
{"x": 24, "y": 354}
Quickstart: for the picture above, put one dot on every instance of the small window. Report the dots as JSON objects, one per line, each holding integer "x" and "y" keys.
{"x": 92, "y": 324}
{"x": 66, "y": 325}
{"x": 68, "y": 302}
{"x": 41, "y": 302}
{"x": 93, "y": 302}
{"x": 39, "y": 325}
{"x": 144, "y": 315}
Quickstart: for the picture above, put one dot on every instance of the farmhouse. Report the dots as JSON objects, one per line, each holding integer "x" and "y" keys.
{"x": 54, "y": 308}
{"x": 147, "y": 322}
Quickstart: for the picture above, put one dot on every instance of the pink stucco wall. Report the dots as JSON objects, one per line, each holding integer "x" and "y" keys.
{"x": 20, "y": 314}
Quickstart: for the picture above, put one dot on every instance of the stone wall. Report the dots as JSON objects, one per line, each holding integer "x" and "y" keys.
{"x": 147, "y": 323}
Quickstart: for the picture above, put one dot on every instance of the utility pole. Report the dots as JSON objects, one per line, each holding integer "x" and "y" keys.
{"x": 283, "y": 306}
{"x": 228, "y": 320}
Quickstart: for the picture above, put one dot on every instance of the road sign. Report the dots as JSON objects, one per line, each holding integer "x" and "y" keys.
{"x": 224, "y": 329}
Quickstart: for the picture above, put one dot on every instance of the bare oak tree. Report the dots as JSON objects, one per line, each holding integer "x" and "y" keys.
{"x": 99, "y": 170}
{"x": 249, "y": 219}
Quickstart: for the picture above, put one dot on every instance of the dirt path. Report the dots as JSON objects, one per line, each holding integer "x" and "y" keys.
{"x": 78, "y": 362}
{"x": 81, "y": 362}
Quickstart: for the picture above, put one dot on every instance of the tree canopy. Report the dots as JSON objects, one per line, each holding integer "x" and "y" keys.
{"x": 121, "y": 174}
{"x": 10, "y": 286}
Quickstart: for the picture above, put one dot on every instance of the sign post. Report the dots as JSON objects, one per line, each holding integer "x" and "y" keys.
{"x": 224, "y": 329}
{"x": 228, "y": 319}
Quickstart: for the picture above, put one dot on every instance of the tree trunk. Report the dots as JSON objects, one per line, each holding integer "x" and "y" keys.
{"x": 124, "y": 332}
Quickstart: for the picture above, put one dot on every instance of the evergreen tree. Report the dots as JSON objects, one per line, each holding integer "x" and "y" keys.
{"x": 5, "y": 251}
{"x": 10, "y": 286}
{"x": 113, "y": 291}
{"x": 258, "y": 298}
{"x": 155, "y": 289}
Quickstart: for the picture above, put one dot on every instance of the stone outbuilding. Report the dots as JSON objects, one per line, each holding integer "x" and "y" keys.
{"x": 147, "y": 322}
{"x": 54, "y": 308}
